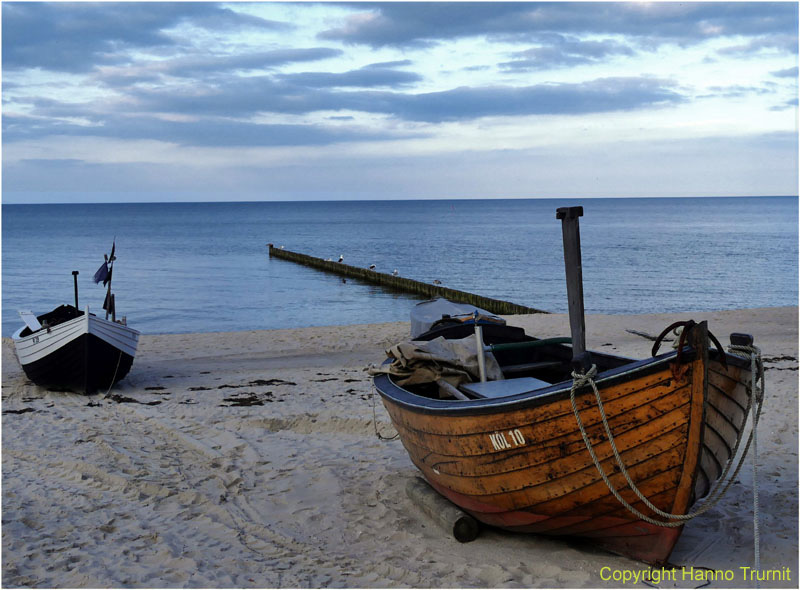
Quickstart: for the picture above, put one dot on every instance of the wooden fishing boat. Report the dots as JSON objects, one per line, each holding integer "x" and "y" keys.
{"x": 511, "y": 451}
{"x": 73, "y": 349}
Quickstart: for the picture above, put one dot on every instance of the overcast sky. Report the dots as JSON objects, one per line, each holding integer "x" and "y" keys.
{"x": 305, "y": 101}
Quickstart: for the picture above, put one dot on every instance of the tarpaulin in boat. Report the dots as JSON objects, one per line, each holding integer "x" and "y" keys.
{"x": 418, "y": 361}
{"x": 426, "y": 314}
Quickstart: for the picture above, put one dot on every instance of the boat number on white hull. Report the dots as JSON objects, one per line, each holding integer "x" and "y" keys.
{"x": 508, "y": 440}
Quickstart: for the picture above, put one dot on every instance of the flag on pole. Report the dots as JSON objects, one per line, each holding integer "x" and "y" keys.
{"x": 108, "y": 304}
{"x": 101, "y": 274}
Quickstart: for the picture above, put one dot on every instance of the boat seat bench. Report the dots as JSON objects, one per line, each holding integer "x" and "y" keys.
{"x": 503, "y": 387}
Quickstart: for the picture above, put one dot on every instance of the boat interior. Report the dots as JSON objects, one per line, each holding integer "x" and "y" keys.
{"x": 524, "y": 368}
{"x": 61, "y": 314}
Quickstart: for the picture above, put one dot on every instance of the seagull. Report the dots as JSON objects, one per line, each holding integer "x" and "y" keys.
{"x": 437, "y": 282}
{"x": 282, "y": 247}
{"x": 394, "y": 273}
{"x": 372, "y": 267}
{"x": 341, "y": 257}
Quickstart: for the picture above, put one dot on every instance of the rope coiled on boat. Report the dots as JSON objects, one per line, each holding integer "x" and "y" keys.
{"x": 757, "y": 394}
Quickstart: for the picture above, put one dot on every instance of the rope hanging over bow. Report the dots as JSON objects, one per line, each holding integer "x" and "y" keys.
{"x": 721, "y": 487}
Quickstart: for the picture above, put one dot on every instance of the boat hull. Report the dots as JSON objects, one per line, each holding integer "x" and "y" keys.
{"x": 84, "y": 355}
{"x": 521, "y": 464}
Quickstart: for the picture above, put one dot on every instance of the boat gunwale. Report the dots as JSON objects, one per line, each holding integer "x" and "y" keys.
{"x": 93, "y": 318}
{"x": 536, "y": 397}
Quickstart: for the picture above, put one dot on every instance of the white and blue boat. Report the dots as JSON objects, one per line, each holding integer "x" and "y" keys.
{"x": 73, "y": 349}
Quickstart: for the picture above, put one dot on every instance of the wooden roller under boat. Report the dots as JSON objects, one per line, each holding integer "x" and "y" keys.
{"x": 511, "y": 452}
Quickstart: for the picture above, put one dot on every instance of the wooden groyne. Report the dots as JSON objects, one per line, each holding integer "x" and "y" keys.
{"x": 402, "y": 284}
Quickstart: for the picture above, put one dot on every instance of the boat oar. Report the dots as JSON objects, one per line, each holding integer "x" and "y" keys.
{"x": 570, "y": 230}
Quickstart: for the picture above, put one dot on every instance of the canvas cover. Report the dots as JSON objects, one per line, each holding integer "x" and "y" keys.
{"x": 425, "y": 361}
{"x": 425, "y": 314}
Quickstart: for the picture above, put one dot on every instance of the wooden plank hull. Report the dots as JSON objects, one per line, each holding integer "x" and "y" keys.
{"x": 84, "y": 355}
{"x": 521, "y": 463}
{"x": 725, "y": 417}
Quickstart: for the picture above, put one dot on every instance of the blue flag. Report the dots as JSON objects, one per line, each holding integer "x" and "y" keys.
{"x": 101, "y": 274}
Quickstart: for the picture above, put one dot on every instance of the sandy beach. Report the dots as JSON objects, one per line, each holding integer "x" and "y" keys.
{"x": 250, "y": 459}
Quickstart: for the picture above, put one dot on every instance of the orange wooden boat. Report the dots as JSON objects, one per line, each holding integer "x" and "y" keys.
{"x": 512, "y": 453}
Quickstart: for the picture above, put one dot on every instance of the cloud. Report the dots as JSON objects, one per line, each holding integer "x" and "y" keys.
{"x": 76, "y": 37}
{"x": 399, "y": 24}
{"x": 235, "y": 97}
{"x": 206, "y": 67}
{"x": 787, "y": 73}
{"x": 467, "y": 103}
{"x": 207, "y": 64}
{"x": 256, "y": 95}
{"x": 208, "y": 132}
{"x": 556, "y": 51}
{"x": 368, "y": 76}
{"x": 228, "y": 114}
{"x": 778, "y": 42}
{"x": 785, "y": 106}
{"x": 416, "y": 24}
{"x": 146, "y": 112}
{"x": 736, "y": 91}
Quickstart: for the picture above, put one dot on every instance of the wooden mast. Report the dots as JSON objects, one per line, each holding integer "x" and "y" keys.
{"x": 109, "y": 302}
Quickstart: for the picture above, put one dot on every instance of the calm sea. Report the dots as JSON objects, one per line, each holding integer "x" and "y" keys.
{"x": 191, "y": 267}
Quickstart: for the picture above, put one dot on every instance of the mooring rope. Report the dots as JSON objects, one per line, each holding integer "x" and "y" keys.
{"x": 115, "y": 375}
{"x": 581, "y": 379}
{"x": 375, "y": 422}
{"x": 757, "y": 389}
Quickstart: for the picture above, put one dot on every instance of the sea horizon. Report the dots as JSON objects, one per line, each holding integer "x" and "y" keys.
{"x": 203, "y": 266}
{"x": 371, "y": 198}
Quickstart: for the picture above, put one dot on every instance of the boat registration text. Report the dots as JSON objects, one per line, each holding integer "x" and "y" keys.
{"x": 506, "y": 440}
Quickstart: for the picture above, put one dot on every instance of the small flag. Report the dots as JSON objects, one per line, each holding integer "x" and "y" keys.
{"x": 101, "y": 274}
{"x": 108, "y": 304}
